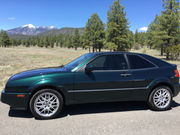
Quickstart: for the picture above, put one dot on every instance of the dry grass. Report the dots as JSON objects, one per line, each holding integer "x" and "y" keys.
{"x": 14, "y": 60}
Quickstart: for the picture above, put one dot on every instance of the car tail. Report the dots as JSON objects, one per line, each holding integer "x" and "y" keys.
{"x": 176, "y": 72}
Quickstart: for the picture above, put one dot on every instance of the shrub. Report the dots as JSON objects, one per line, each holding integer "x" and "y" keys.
{"x": 174, "y": 51}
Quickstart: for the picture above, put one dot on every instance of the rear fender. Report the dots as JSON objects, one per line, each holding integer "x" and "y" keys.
{"x": 158, "y": 82}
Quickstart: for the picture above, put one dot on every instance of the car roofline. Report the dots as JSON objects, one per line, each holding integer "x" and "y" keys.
{"x": 116, "y": 52}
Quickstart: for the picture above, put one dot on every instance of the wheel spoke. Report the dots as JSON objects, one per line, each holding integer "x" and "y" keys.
{"x": 46, "y": 104}
{"x": 41, "y": 106}
{"x": 161, "y": 98}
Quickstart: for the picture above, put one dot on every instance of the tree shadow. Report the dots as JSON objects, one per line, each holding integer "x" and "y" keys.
{"x": 81, "y": 109}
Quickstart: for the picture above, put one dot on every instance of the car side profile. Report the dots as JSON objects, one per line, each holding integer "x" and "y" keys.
{"x": 91, "y": 78}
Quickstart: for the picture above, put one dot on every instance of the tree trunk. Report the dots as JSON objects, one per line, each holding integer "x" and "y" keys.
{"x": 167, "y": 56}
{"x": 162, "y": 50}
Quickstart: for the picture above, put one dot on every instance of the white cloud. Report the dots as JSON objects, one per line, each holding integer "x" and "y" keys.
{"x": 11, "y": 18}
{"x": 143, "y": 29}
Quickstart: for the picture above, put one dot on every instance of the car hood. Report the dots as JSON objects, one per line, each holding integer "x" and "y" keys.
{"x": 36, "y": 72}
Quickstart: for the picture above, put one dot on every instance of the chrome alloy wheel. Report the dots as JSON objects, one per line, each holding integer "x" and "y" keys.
{"x": 162, "y": 98}
{"x": 46, "y": 104}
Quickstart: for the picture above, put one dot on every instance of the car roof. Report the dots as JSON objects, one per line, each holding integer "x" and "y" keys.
{"x": 154, "y": 60}
{"x": 117, "y": 52}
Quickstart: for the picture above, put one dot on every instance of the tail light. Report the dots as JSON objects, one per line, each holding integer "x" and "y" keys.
{"x": 176, "y": 73}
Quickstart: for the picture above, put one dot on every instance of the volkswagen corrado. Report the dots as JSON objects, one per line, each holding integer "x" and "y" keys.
{"x": 91, "y": 78}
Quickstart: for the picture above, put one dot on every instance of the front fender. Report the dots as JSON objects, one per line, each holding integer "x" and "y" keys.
{"x": 46, "y": 82}
{"x": 51, "y": 83}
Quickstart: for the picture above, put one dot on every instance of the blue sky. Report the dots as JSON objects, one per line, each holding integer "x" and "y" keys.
{"x": 73, "y": 13}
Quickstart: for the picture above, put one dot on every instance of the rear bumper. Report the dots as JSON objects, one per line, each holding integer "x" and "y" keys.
{"x": 18, "y": 103}
{"x": 176, "y": 89}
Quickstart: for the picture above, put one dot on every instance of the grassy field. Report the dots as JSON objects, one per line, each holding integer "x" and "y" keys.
{"x": 14, "y": 60}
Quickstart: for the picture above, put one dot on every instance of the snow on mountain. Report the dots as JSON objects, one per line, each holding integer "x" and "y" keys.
{"x": 29, "y": 26}
{"x": 51, "y": 27}
{"x": 29, "y": 29}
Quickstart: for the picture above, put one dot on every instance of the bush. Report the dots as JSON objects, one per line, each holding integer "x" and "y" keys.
{"x": 144, "y": 50}
{"x": 137, "y": 47}
{"x": 174, "y": 51}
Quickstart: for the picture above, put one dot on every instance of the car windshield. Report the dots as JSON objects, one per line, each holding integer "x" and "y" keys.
{"x": 78, "y": 61}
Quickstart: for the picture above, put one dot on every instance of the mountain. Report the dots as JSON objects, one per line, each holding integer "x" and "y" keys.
{"x": 64, "y": 30}
{"x": 29, "y": 29}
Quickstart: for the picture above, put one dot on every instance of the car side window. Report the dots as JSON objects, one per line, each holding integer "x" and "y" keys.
{"x": 137, "y": 62}
{"x": 109, "y": 62}
{"x": 98, "y": 63}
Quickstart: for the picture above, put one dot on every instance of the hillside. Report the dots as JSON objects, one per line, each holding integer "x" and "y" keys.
{"x": 65, "y": 30}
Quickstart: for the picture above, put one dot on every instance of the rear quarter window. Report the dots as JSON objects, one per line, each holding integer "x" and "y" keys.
{"x": 138, "y": 62}
{"x": 157, "y": 61}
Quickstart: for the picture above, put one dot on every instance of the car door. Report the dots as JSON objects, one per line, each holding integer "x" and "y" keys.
{"x": 142, "y": 72}
{"x": 108, "y": 81}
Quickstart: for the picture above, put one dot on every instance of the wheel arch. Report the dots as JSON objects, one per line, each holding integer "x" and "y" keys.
{"x": 162, "y": 84}
{"x": 47, "y": 86}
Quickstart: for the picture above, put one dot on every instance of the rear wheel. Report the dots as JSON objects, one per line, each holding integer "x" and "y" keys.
{"x": 160, "y": 98}
{"x": 46, "y": 104}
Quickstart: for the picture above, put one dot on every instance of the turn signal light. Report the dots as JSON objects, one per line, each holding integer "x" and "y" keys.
{"x": 176, "y": 73}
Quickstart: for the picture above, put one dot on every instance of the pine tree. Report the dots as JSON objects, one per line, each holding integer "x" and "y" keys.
{"x": 76, "y": 39}
{"x": 155, "y": 35}
{"x": 136, "y": 36}
{"x": 94, "y": 33}
{"x": 117, "y": 28}
{"x": 169, "y": 25}
{"x": 4, "y": 39}
{"x": 41, "y": 42}
{"x": 131, "y": 39}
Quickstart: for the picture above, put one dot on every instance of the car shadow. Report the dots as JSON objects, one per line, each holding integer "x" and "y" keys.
{"x": 81, "y": 109}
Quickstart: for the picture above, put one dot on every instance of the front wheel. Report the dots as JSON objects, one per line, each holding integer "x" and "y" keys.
{"x": 46, "y": 104}
{"x": 160, "y": 98}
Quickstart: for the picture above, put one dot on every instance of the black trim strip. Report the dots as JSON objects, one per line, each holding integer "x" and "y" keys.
{"x": 95, "y": 90}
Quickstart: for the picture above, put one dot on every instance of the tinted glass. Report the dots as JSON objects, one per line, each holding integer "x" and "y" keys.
{"x": 157, "y": 61}
{"x": 137, "y": 62}
{"x": 109, "y": 62}
{"x": 78, "y": 61}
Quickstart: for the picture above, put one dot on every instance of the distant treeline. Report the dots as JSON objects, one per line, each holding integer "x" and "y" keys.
{"x": 162, "y": 34}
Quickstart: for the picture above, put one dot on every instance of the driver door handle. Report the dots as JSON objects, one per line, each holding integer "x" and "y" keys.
{"x": 125, "y": 75}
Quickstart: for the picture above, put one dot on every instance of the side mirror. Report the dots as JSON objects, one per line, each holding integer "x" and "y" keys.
{"x": 89, "y": 68}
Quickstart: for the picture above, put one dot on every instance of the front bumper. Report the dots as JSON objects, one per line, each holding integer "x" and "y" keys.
{"x": 19, "y": 103}
{"x": 176, "y": 89}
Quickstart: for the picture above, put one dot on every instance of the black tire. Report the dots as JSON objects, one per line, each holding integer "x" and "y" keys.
{"x": 151, "y": 101}
{"x": 35, "y": 98}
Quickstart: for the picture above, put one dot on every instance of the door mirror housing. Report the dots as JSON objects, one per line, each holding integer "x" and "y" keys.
{"x": 89, "y": 68}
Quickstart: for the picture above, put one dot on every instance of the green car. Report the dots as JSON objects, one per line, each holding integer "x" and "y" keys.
{"x": 91, "y": 78}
